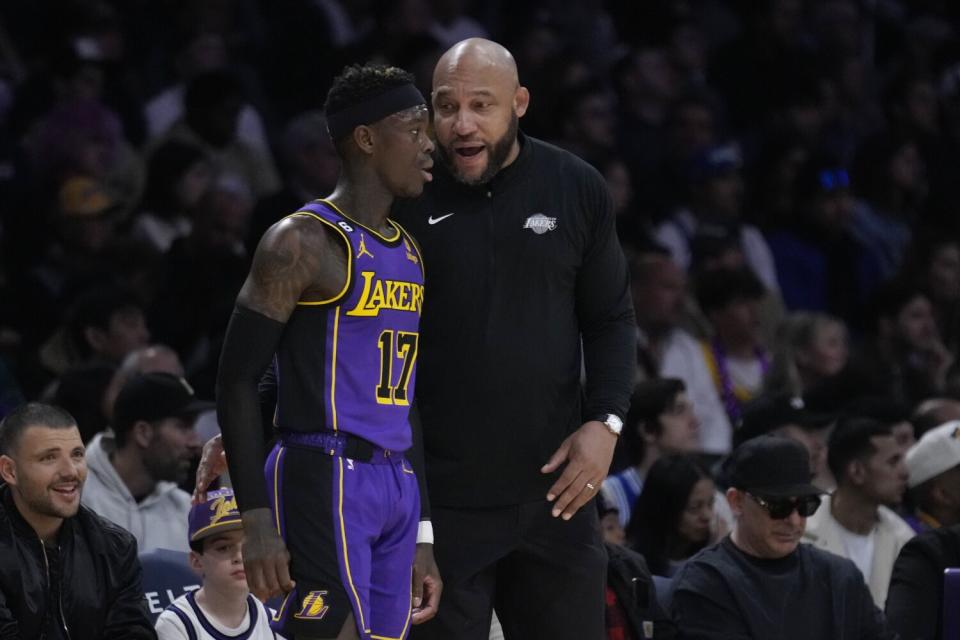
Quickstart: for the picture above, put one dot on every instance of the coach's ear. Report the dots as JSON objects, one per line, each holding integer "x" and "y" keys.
{"x": 521, "y": 100}
{"x": 363, "y": 138}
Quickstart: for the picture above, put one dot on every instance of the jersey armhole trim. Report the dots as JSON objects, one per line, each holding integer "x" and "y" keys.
{"x": 416, "y": 247}
{"x": 185, "y": 621}
{"x": 349, "y": 282}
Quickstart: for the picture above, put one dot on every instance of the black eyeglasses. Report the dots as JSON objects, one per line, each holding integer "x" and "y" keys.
{"x": 780, "y": 508}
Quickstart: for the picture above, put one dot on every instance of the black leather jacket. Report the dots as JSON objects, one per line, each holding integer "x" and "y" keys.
{"x": 88, "y": 587}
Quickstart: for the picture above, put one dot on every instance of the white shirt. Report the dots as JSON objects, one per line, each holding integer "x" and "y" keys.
{"x": 164, "y": 109}
{"x": 745, "y": 374}
{"x": 859, "y": 548}
{"x": 877, "y": 555}
{"x": 170, "y": 625}
{"x": 675, "y": 235}
{"x": 683, "y": 358}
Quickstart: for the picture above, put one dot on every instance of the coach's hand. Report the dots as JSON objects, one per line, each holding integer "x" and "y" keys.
{"x": 265, "y": 558}
{"x": 213, "y": 463}
{"x": 588, "y": 452}
{"x": 427, "y": 585}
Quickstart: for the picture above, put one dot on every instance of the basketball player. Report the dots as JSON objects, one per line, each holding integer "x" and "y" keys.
{"x": 333, "y": 299}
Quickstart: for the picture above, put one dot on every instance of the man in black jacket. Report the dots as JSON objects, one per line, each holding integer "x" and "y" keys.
{"x": 65, "y": 573}
{"x": 525, "y": 280}
{"x": 915, "y": 599}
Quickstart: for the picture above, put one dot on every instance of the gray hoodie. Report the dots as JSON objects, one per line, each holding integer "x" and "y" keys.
{"x": 157, "y": 521}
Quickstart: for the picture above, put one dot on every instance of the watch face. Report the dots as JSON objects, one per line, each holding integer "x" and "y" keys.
{"x": 614, "y": 424}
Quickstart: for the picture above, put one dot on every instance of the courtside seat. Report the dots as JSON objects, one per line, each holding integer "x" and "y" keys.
{"x": 166, "y": 576}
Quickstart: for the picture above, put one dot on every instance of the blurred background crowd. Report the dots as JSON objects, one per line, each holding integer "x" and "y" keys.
{"x": 785, "y": 175}
{"x": 145, "y": 146}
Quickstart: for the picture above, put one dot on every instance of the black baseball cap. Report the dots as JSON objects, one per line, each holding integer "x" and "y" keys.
{"x": 771, "y": 466}
{"x": 770, "y": 412}
{"x": 153, "y": 396}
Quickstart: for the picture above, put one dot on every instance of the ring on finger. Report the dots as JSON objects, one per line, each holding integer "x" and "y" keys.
{"x": 591, "y": 487}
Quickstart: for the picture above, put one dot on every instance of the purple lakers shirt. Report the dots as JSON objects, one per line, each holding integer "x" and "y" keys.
{"x": 348, "y": 364}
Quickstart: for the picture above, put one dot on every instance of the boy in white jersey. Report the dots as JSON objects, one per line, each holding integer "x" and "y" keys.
{"x": 223, "y": 607}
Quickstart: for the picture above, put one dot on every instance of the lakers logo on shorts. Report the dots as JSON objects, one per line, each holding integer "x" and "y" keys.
{"x": 314, "y": 607}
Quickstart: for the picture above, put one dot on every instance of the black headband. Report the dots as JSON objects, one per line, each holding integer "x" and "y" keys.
{"x": 400, "y": 98}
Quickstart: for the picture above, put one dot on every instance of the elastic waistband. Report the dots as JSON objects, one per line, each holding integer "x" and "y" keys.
{"x": 344, "y": 445}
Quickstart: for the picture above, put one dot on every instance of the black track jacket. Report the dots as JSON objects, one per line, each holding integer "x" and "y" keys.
{"x": 519, "y": 273}
{"x": 88, "y": 588}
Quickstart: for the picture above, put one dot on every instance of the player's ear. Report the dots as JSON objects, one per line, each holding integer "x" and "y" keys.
{"x": 363, "y": 136}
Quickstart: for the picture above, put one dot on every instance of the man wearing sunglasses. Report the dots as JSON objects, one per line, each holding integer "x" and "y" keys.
{"x": 760, "y": 582}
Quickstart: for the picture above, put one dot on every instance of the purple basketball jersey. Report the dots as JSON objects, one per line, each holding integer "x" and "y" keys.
{"x": 349, "y": 364}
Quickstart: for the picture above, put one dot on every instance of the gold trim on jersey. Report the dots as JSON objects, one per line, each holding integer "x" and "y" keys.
{"x": 360, "y": 224}
{"x": 333, "y": 368}
{"x": 276, "y": 488}
{"x": 416, "y": 248}
{"x": 346, "y": 239}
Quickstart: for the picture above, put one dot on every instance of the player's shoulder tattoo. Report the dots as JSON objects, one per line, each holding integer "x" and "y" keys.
{"x": 290, "y": 248}
{"x": 289, "y": 259}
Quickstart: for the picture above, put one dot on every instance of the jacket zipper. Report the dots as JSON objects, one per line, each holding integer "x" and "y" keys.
{"x": 46, "y": 564}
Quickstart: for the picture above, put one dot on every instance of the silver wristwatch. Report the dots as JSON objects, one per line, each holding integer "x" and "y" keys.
{"x": 613, "y": 424}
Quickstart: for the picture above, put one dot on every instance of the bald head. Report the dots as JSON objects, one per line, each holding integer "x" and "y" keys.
{"x": 152, "y": 359}
{"x": 477, "y": 102}
{"x": 477, "y": 56}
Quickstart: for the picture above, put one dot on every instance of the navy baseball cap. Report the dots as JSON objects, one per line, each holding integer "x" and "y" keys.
{"x": 215, "y": 515}
{"x": 771, "y": 466}
{"x": 770, "y": 412}
{"x": 153, "y": 396}
{"x": 714, "y": 162}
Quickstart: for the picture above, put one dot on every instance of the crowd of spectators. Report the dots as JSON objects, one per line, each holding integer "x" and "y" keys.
{"x": 785, "y": 174}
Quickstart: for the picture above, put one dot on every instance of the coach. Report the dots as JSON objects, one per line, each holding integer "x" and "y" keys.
{"x": 524, "y": 274}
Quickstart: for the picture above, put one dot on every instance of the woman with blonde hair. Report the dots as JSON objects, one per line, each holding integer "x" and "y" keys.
{"x": 810, "y": 348}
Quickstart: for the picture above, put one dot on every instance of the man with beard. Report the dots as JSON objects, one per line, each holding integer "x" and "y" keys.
{"x": 524, "y": 267}
{"x": 134, "y": 472}
{"x": 760, "y": 582}
{"x": 66, "y": 572}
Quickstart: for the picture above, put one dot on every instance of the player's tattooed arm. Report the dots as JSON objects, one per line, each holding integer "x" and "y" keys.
{"x": 296, "y": 258}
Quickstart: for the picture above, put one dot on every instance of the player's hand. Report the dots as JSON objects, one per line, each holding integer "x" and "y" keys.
{"x": 588, "y": 452}
{"x": 213, "y": 463}
{"x": 427, "y": 585}
{"x": 265, "y": 557}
